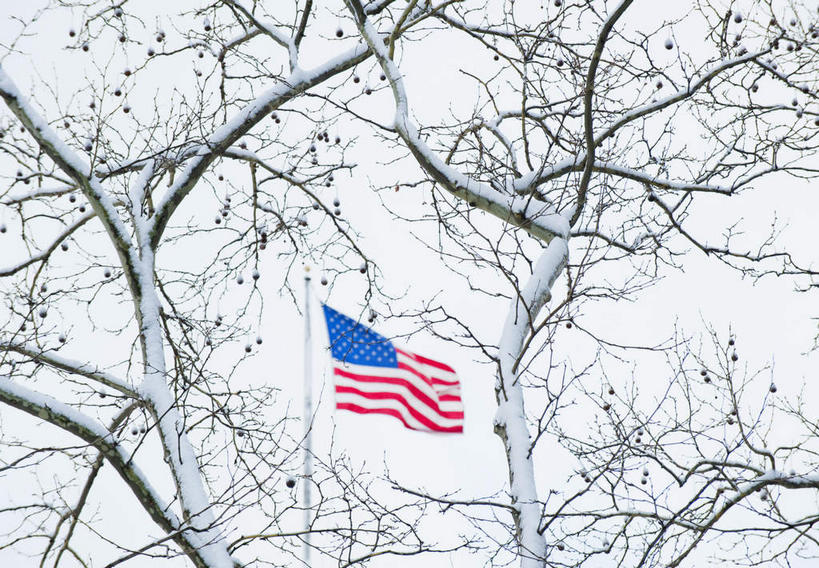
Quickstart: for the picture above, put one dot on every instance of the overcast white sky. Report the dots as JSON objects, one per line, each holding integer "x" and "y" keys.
{"x": 772, "y": 323}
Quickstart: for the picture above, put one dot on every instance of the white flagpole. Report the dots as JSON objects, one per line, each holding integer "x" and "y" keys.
{"x": 308, "y": 414}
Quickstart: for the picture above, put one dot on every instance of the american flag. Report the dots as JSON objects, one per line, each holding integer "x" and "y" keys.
{"x": 373, "y": 376}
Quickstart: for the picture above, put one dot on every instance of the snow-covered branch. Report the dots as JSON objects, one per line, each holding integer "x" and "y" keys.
{"x": 536, "y": 218}
{"x": 228, "y": 134}
{"x": 72, "y": 366}
{"x": 195, "y": 545}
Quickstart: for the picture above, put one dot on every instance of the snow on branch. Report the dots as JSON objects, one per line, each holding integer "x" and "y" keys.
{"x": 18, "y": 198}
{"x": 538, "y": 219}
{"x": 79, "y": 171}
{"x": 71, "y": 366}
{"x": 225, "y": 136}
{"x": 269, "y": 29}
{"x": 680, "y": 95}
{"x": 55, "y": 412}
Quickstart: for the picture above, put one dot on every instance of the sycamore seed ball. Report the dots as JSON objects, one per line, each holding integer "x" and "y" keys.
{"x": 669, "y": 44}
{"x": 240, "y": 280}
{"x": 324, "y": 281}
{"x": 738, "y": 17}
{"x": 43, "y": 312}
{"x": 363, "y": 268}
{"x": 291, "y": 482}
{"x": 258, "y": 340}
{"x": 61, "y": 338}
{"x": 64, "y": 246}
{"x": 134, "y": 431}
{"x": 255, "y": 274}
{"x": 107, "y": 273}
{"x": 248, "y": 348}
{"x": 772, "y": 388}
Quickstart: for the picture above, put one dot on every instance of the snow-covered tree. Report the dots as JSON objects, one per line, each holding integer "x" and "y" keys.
{"x": 613, "y": 141}
{"x": 174, "y": 150}
{"x": 146, "y": 175}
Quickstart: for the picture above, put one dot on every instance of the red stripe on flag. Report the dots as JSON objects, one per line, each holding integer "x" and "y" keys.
{"x": 395, "y": 414}
{"x": 416, "y": 392}
{"x": 399, "y": 399}
{"x": 426, "y": 361}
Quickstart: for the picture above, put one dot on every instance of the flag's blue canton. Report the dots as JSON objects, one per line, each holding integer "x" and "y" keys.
{"x": 354, "y": 343}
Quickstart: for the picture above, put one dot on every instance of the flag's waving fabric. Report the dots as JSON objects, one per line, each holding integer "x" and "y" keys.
{"x": 372, "y": 376}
